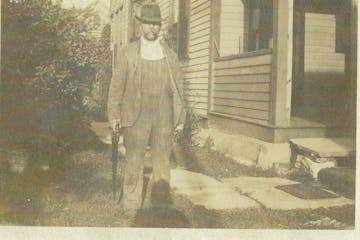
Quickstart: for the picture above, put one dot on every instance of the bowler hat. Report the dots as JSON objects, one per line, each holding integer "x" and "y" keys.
{"x": 150, "y": 13}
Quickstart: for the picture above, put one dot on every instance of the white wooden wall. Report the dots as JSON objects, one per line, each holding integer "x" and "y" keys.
{"x": 242, "y": 87}
{"x": 232, "y": 25}
{"x": 320, "y": 55}
{"x": 196, "y": 71}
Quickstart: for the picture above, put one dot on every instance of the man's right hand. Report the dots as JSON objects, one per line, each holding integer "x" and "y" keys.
{"x": 116, "y": 125}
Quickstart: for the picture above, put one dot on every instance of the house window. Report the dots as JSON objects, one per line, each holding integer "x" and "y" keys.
{"x": 260, "y": 25}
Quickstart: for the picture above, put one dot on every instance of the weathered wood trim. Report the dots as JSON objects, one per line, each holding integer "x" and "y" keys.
{"x": 282, "y": 62}
{"x": 244, "y": 55}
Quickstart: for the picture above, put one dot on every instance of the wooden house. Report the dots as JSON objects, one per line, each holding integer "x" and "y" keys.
{"x": 269, "y": 69}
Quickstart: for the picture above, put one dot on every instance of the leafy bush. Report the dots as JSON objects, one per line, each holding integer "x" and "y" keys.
{"x": 49, "y": 63}
{"x": 185, "y": 137}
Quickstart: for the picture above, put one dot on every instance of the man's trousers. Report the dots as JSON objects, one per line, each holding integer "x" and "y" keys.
{"x": 153, "y": 127}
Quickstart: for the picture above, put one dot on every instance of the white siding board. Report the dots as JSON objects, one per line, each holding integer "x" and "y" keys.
{"x": 242, "y": 104}
{"x": 250, "y": 96}
{"x": 200, "y": 7}
{"x": 196, "y": 80}
{"x": 199, "y": 40}
{"x": 244, "y": 62}
{"x": 243, "y": 87}
{"x": 193, "y": 86}
{"x": 196, "y": 92}
{"x": 199, "y": 15}
{"x": 245, "y": 70}
{"x": 250, "y": 113}
{"x": 231, "y": 37}
{"x": 194, "y": 68}
{"x": 320, "y": 37}
{"x": 258, "y": 78}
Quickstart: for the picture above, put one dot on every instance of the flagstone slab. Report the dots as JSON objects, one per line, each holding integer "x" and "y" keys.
{"x": 263, "y": 190}
{"x": 208, "y": 192}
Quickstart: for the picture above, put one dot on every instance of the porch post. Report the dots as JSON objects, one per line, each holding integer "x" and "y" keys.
{"x": 282, "y": 62}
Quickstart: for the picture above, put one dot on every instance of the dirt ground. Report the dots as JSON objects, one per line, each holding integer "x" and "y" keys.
{"x": 80, "y": 194}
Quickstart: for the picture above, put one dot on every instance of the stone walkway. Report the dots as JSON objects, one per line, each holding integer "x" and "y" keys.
{"x": 233, "y": 193}
{"x": 243, "y": 192}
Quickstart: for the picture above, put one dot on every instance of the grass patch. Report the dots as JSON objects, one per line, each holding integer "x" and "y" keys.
{"x": 212, "y": 163}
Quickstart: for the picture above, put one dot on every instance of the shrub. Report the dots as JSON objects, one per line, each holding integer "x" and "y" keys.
{"x": 49, "y": 61}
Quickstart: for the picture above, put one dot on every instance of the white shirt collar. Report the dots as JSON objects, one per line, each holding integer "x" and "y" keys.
{"x": 151, "y": 50}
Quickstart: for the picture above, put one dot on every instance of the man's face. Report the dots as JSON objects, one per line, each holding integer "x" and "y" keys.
{"x": 150, "y": 31}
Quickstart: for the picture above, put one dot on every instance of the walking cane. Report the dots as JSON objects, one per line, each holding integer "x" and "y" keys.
{"x": 114, "y": 158}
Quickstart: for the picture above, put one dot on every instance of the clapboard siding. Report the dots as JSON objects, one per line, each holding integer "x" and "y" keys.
{"x": 231, "y": 37}
{"x": 198, "y": 15}
{"x": 204, "y": 80}
{"x": 242, "y": 87}
{"x": 250, "y": 78}
{"x": 204, "y": 6}
{"x": 197, "y": 99}
{"x": 200, "y": 40}
{"x": 262, "y": 69}
{"x": 260, "y": 105}
{"x": 320, "y": 37}
{"x": 243, "y": 112}
{"x": 196, "y": 92}
{"x": 245, "y": 62}
{"x": 199, "y": 18}
{"x": 199, "y": 27}
{"x": 190, "y": 86}
{"x": 249, "y": 96}
{"x": 200, "y": 46}
{"x": 202, "y": 33}
{"x": 196, "y": 70}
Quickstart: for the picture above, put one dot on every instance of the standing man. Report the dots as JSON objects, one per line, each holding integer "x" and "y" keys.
{"x": 145, "y": 102}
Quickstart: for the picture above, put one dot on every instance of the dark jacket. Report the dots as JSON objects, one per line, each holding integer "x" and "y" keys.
{"x": 124, "y": 100}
